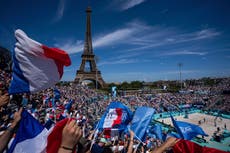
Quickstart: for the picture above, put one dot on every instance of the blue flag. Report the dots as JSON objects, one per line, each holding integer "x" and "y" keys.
{"x": 187, "y": 130}
{"x": 141, "y": 120}
{"x": 57, "y": 94}
{"x": 157, "y": 130}
{"x": 114, "y": 92}
{"x": 69, "y": 105}
{"x": 117, "y": 115}
{"x": 172, "y": 134}
{"x": 24, "y": 101}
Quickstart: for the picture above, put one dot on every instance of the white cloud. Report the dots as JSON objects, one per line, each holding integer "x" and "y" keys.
{"x": 130, "y": 3}
{"x": 206, "y": 33}
{"x": 118, "y": 36}
{"x": 122, "y": 35}
{"x": 137, "y": 36}
{"x": 123, "y": 5}
{"x": 60, "y": 10}
{"x": 113, "y": 37}
{"x": 197, "y": 35}
{"x": 185, "y": 52}
{"x": 161, "y": 36}
{"x": 123, "y": 60}
{"x": 71, "y": 46}
{"x": 119, "y": 61}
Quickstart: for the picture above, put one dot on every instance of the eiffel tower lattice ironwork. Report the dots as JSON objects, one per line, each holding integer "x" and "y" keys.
{"x": 88, "y": 69}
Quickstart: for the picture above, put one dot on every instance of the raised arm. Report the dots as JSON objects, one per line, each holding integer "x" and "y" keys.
{"x": 71, "y": 135}
{"x": 4, "y": 99}
{"x": 170, "y": 142}
{"x": 7, "y": 135}
{"x": 130, "y": 148}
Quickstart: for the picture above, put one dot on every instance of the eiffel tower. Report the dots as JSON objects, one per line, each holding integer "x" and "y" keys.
{"x": 88, "y": 69}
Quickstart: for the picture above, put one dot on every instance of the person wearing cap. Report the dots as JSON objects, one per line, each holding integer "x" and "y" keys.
{"x": 99, "y": 147}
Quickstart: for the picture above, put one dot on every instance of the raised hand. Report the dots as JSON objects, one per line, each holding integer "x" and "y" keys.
{"x": 17, "y": 117}
{"x": 71, "y": 134}
{"x": 4, "y": 99}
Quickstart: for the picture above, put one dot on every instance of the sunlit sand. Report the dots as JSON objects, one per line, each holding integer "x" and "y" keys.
{"x": 207, "y": 122}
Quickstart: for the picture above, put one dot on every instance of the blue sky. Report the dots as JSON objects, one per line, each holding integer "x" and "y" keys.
{"x": 133, "y": 39}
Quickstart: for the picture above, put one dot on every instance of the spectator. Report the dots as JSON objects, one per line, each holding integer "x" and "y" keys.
{"x": 7, "y": 135}
{"x": 99, "y": 147}
{"x": 4, "y": 99}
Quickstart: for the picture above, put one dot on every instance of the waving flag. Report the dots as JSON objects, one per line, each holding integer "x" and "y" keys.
{"x": 35, "y": 66}
{"x": 185, "y": 146}
{"x": 117, "y": 116}
{"x": 31, "y": 136}
{"x": 141, "y": 120}
{"x": 157, "y": 130}
{"x": 114, "y": 92}
{"x": 55, "y": 137}
{"x": 186, "y": 130}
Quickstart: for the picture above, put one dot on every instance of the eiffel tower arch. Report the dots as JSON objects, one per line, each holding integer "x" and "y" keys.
{"x": 88, "y": 68}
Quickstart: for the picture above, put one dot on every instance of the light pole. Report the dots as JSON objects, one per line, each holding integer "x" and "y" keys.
{"x": 180, "y": 65}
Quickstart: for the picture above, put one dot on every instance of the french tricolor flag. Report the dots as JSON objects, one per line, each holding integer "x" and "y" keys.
{"x": 116, "y": 118}
{"x": 32, "y": 137}
{"x": 35, "y": 66}
{"x": 113, "y": 118}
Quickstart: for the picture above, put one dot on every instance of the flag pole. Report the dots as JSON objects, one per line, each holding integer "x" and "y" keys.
{"x": 94, "y": 137}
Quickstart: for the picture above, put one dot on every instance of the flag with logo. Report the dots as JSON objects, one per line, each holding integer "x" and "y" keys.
{"x": 187, "y": 130}
{"x": 117, "y": 116}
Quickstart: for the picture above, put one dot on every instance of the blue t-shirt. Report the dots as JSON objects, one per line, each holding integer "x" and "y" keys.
{"x": 96, "y": 148}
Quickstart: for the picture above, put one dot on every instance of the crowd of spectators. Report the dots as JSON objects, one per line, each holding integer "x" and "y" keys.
{"x": 87, "y": 107}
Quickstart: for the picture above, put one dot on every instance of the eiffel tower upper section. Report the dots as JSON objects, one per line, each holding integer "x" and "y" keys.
{"x": 88, "y": 47}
